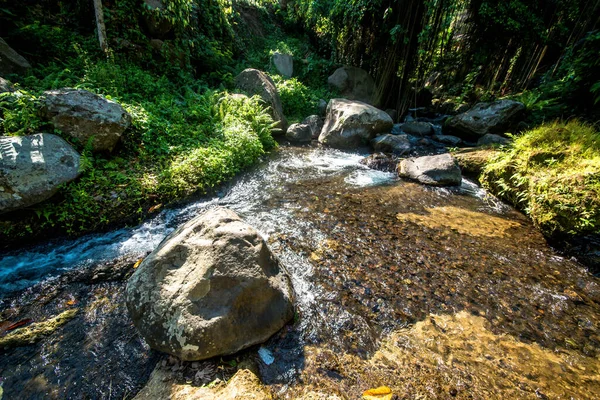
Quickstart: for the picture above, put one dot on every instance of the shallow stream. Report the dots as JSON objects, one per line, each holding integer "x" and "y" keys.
{"x": 434, "y": 292}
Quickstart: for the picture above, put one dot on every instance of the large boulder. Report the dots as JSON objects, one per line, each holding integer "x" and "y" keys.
{"x": 85, "y": 115}
{"x": 354, "y": 84}
{"x": 440, "y": 170}
{"x": 284, "y": 63}
{"x": 33, "y": 167}
{"x": 211, "y": 288}
{"x": 350, "y": 123}
{"x": 485, "y": 118}
{"x": 11, "y": 62}
{"x": 256, "y": 82}
{"x": 388, "y": 143}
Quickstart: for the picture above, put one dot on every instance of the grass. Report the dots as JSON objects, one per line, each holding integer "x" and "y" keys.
{"x": 185, "y": 139}
{"x": 552, "y": 173}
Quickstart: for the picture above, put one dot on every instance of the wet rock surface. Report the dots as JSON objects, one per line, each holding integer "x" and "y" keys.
{"x": 388, "y": 143}
{"x": 447, "y": 285}
{"x": 211, "y": 288}
{"x": 95, "y": 352}
{"x": 439, "y": 170}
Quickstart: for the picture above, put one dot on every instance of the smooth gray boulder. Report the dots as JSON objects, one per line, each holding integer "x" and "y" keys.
{"x": 447, "y": 139}
{"x": 6, "y": 86}
{"x": 492, "y": 139}
{"x": 33, "y": 167}
{"x": 440, "y": 170}
{"x": 485, "y": 118}
{"x": 256, "y": 82}
{"x": 417, "y": 128}
{"x": 284, "y": 63}
{"x": 350, "y": 124}
{"x": 11, "y": 62}
{"x": 299, "y": 133}
{"x": 388, "y": 143}
{"x": 354, "y": 84}
{"x": 85, "y": 115}
{"x": 211, "y": 288}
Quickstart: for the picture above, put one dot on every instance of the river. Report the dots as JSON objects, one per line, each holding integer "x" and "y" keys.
{"x": 436, "y": 292}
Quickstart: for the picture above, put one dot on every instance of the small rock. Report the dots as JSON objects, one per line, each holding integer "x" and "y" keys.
{"x": 491, "y": 139}
{"x": 447, "y": 139}
{"x": 418, "y": 128}
{"x": 284, "y": 63}
{"x": 316, "y": 125}
{"x": 397, "y": 144}
{"x": 440, "y": 170}
{"x": 381, "y": 162}
{"x": 299, "y": 133}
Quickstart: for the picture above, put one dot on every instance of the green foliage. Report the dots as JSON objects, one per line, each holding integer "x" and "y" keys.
{"x": 299, "y": 100}
{"x": 185, "y": 139}
{"x": 553, "y": 174}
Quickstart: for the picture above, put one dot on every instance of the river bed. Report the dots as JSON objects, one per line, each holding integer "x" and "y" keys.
{"x": 434, "y": 292}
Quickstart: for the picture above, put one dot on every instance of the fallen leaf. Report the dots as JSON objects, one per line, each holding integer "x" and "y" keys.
{"x": 18, "y": 324}
{"x": 154, "y": 208}
{"x": 380, "y": 393}
{"x": 137, "y": 263}
{"x": 71, "y": 302}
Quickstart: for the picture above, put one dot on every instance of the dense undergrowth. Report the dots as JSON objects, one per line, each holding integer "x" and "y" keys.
{"x": 187, "y": 136}
{"x": 552, "y": 172}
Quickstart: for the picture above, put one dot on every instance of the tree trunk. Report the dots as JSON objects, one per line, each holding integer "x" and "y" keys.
{"x": 100, "y": 24}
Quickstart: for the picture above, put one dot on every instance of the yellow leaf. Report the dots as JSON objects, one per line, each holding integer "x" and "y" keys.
{"x": 154, "y": 208}
{"x": 137, "y": 263}
{"x": 380, "y": 393}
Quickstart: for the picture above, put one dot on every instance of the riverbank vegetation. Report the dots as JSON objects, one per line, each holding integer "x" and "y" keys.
{"x": 172, "y": 65}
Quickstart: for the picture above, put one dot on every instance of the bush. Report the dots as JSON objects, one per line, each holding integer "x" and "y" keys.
{"x": 553, "y": 174}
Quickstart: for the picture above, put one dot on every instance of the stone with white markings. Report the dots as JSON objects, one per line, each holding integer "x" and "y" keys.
{"x": 33, "y": 167}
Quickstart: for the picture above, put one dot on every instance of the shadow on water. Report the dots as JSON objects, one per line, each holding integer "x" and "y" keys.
{"x": 375, "y": 263}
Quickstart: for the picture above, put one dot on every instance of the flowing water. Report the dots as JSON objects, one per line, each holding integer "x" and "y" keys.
{"x": 433, "y": 292}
